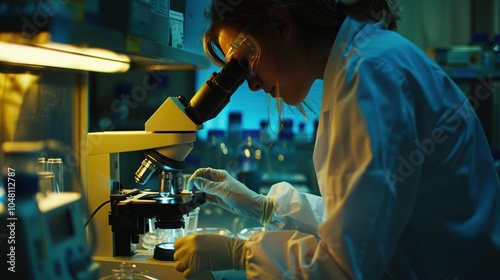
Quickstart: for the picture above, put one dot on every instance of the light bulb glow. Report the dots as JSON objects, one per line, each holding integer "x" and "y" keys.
{"x": 64, "y": 56}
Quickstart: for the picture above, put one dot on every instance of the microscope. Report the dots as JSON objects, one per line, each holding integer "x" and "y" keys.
{"x": 166, "y": 141}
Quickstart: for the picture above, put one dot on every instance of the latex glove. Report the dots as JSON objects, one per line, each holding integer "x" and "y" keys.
{"x": 227, "y": 192}
{"x": 199, "y": 253}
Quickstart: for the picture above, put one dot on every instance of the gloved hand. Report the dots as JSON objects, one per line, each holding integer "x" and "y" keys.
{"x": 199, "y": 253}
{"x": 227, "y": 192}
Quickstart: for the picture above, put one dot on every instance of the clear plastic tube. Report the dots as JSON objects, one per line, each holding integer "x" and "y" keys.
{"x": 55, "y": 165}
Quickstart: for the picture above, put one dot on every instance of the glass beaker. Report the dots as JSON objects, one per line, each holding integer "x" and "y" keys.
{"x": 158, "y": 235}
{"x": 46, "y": 182}
{"x": 191, "y": 221}
{"x": 55, "y": 165}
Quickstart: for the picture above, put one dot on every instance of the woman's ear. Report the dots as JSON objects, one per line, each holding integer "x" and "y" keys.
{"x": 281, "y": 22}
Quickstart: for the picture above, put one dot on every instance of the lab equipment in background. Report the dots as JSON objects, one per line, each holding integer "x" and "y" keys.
{"x": 460, "y": 56}
{"x": 234, "y": 129}
{"x": 482, "y": 39}
{"x": 55, "y": 165}
{"x": 253, "y": 160}
{"x": 47, "y": 183}
{"x": 217, "y": 152}
{"x": 191, "y": 221}
{"x": 47, "y": 239}
{"x": 266, "y": 137}
{"x": 301, "y": 137}
{"x": 51, "y": 174}
{"x": 315, "y": 131}
{"x": 286, "y": 165}
{"x": 479, "y": 55}
{"x": 144, "y": 18}
{"x": 132, "y": 16}
{"x": 159, "y": 26}
{"x": 496, "y": 52}
{"x": 283, "y": 158}
{"x": 42, "y": 164}
{"x": 304, "y": 148}
{"x": 177, "y": 29}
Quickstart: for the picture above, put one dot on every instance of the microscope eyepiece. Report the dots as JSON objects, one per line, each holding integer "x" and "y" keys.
{"x": 213, "y": 96}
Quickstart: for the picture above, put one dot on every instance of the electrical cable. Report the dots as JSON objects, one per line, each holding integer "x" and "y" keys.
{"x": 95, "y": 212}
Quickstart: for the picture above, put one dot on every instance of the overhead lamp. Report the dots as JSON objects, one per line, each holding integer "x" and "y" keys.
{"x": 64, "y": 56}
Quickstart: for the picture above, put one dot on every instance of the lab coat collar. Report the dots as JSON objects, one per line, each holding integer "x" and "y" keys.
{"x": 350, "y": 33}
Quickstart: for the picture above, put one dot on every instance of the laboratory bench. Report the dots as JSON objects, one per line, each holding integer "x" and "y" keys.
{"x": 211, "y": 219}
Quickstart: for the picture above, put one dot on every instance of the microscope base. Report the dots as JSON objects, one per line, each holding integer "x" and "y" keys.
{"x": 144, "y": 262}
{"x": 159, "y": 269}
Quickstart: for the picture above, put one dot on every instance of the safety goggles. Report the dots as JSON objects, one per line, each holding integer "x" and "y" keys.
{"x": 244, "y": 49}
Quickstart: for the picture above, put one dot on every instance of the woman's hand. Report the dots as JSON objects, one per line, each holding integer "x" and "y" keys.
{"x": 199, "y": 253}
{"x": 227, "y": 192}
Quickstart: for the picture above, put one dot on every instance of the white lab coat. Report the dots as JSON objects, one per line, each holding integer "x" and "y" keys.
{"x": 408, "y": 187}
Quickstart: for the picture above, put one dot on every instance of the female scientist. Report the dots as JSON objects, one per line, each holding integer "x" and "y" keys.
{"x": 407, "y": 181}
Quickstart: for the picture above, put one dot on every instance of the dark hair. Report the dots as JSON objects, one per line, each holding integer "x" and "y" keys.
{"x": 314, "y": 17}
{"x": 386, "y": 11}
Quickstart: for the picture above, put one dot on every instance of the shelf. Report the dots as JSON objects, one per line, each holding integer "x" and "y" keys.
{"x": 143, "y": 54}
{"x": 467, "y": 73}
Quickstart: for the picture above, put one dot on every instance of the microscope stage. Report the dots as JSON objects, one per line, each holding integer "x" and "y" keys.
{"x": 150, "y": 202}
